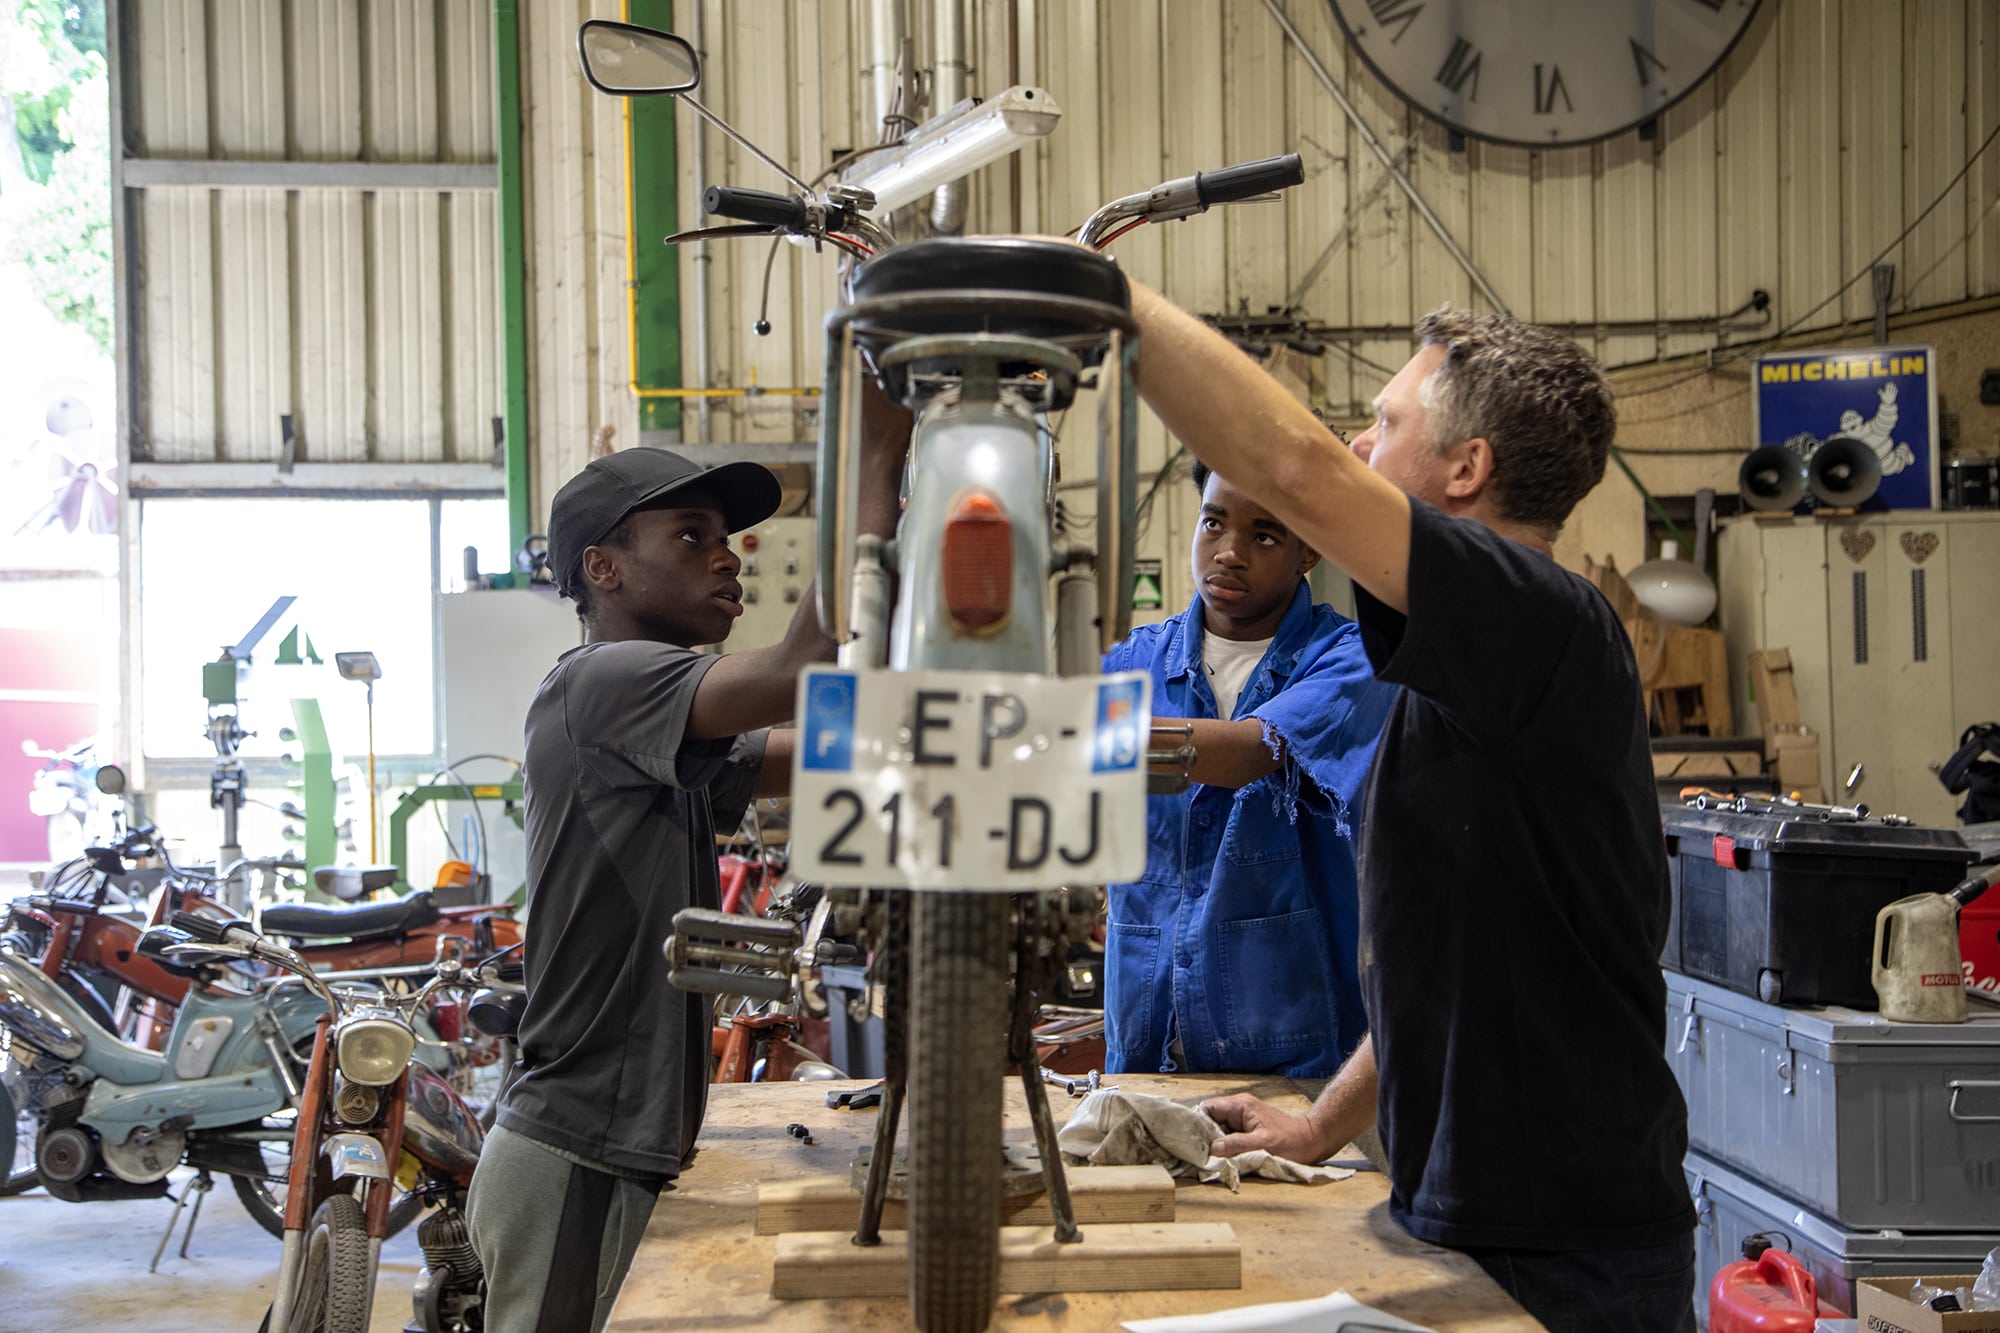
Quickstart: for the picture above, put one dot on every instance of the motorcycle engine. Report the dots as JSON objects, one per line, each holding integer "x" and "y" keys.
{"x": 450, "y": 1291}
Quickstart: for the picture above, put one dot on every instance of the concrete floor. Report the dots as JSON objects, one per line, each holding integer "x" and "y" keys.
{"x": 83, "y": 1266}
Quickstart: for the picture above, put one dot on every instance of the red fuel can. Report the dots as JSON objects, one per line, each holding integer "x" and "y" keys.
{"x": 1766, "y": 1291}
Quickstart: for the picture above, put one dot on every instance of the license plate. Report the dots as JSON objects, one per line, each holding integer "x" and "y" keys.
{"x": 969, "y": 779}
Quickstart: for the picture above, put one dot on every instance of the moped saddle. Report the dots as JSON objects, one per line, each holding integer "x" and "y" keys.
{"x": 362, "y": 921}
{"x": 1013, "y": 265}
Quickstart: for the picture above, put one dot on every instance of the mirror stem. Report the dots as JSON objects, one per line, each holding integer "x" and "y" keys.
{"x": 743, "y": 143}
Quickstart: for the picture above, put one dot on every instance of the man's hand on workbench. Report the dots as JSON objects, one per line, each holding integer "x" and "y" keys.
{"x": 1255, "y": 1123}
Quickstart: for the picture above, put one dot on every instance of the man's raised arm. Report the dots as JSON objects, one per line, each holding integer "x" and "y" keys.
{"x": 1241, "y": 422}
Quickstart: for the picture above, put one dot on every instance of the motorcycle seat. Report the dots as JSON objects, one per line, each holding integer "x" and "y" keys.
{"x": 359, "y": 922}
{"x": 986, "y": 264}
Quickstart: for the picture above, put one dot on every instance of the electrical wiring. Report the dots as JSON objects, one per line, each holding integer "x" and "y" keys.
{"x": 450, "y": 770}
{"x": 1134, "y": 224}
{"x": 1741, "y": 351}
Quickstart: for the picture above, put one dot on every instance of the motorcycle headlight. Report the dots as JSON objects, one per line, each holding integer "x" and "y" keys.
{"x": 374, "y": 1051}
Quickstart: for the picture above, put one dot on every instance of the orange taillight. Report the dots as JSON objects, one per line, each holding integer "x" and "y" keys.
{"x": 978, "y": 562}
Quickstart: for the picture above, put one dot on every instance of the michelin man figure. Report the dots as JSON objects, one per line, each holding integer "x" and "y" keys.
{"x": 1876, "y": 433}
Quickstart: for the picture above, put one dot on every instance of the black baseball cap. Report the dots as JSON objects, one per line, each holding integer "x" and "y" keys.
{"x": 595, "y": 500}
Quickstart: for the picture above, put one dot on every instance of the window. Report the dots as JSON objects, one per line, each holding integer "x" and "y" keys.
{"x": 361, "y": 570}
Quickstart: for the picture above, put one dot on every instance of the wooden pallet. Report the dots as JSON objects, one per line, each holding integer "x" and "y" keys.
{"x": 1097, "y": 1194}
{"x": 1156, "y": 1256}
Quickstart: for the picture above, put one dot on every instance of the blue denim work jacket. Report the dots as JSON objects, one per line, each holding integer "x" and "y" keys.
{"x": 1242, "y": 940}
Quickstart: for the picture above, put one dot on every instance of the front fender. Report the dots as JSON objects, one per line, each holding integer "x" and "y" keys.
{"x": 35, "y": 1009}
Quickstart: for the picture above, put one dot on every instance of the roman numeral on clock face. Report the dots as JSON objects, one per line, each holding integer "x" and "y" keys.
{"x": 1548, "y": 89}
{"x": 1459, "y": 66}
{"x": 1646, "y": 61}
{"x": 1403, "y": 12}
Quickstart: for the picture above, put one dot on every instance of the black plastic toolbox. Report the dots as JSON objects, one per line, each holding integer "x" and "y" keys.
{"x": 1782, "y": 906}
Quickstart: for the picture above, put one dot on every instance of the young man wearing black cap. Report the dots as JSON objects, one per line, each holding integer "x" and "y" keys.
{"x": 638, "y": 749}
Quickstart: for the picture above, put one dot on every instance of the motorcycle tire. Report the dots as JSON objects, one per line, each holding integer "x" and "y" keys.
{"x": 958, "y": 1049}
{"x": 334, "y": 1294}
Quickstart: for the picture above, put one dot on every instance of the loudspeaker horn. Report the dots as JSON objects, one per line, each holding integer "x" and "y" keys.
{"x": 1843, "y": 472}
{"x": 1773, "y": 477}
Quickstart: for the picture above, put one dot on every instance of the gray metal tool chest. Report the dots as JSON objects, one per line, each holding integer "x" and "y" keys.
{"x": 1729, "y": 1206}
{"x": 1868, "y": 1122}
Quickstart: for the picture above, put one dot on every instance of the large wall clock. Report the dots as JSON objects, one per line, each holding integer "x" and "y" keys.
{"x": 1543, "y": 73}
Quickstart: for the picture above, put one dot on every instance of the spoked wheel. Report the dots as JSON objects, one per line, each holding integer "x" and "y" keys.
{"x": 263, "y": 1197}
{"x": 958, "y": 1045}
{"x": 334, "y": 1295}
{"x": 479, "y": 1073}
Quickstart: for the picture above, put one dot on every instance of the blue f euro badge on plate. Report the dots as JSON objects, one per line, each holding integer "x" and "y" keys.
{"x": 1117, "y": 744}
{"x": 827, "y": 733}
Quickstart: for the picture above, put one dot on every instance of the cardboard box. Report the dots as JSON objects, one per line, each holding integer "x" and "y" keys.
{"x": 1794, "y": 752}
{"x": 1882, "y": 1305}
{"x": 1771, "y": 688}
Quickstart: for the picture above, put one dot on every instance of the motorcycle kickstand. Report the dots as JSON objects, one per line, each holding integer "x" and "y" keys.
{"x": 199, "y": 1187}
{"x": 1045, "y": 1144}
{"x": 875, "y": 1192}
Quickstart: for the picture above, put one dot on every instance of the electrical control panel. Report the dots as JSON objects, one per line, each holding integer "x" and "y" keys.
{"x": 777, "y": 577}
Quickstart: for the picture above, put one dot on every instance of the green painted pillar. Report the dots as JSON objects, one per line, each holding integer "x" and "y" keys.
{"x": 513, "y": 268}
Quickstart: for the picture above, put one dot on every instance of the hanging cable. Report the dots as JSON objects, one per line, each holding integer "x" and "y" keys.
{"x": 1742, "y": 350}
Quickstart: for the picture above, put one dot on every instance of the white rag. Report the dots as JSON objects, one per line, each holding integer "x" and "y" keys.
{"x": 1113, "y": 1128}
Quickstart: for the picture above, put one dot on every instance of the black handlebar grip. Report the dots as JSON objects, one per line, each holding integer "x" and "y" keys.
{"x": 1248, "y": 180}
{"x": 206, "y": 929}
{"x": 773, "y": 210}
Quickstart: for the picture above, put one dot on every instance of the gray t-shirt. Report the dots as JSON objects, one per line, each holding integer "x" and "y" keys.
{"x": 621, "y": 818}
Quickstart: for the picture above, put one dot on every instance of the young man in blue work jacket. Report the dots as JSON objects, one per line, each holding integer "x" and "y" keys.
{"x": 1238, "y": 950}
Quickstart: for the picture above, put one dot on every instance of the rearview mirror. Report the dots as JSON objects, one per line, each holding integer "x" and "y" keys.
{"x": 111, "y": 780}
{"x": 625, "y": 59}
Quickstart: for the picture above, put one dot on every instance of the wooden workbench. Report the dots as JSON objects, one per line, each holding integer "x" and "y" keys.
{"x": 701, "y": 1265}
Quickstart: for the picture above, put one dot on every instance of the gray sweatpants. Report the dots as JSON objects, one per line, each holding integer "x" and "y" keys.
{"x": 554, "y": 1236}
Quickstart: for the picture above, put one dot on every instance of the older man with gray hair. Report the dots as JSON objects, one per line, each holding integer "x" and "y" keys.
{"x": 1513, "y": 879}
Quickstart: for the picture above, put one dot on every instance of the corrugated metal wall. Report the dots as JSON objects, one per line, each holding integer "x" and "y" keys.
{"x": 370, "y": 317}
{"x": 1830, "y": 128}
{"x": 373, "y": 317}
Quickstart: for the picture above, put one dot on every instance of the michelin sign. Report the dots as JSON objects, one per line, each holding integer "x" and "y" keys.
{"x": 1885, "y": 397}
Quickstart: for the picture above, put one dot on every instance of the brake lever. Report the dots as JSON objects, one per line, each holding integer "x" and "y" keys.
{"x": 713, "y": 233}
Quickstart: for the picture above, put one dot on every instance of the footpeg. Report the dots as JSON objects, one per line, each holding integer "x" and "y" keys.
{"x": 722, "y": 953}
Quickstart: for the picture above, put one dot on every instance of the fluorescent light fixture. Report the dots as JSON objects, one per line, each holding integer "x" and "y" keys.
{"x": 959, "y": 142}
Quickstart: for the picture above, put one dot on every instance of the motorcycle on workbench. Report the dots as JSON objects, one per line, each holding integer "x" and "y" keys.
{"x": 966, "y": 778}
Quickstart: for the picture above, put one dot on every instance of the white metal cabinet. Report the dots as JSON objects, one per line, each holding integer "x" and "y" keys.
{"x": 1891, "y": 624}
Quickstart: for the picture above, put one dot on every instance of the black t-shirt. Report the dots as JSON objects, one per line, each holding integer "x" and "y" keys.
{"x": 621, "y": 818}
{"x": 1513, "y": 905}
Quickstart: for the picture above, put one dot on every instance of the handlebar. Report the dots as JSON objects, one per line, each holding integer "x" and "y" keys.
{"x": 211, "y": 931}
{"x": 776, "y": 210}
{"x": 1247, "y": 180}
{"x": 1189, "y": 195}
